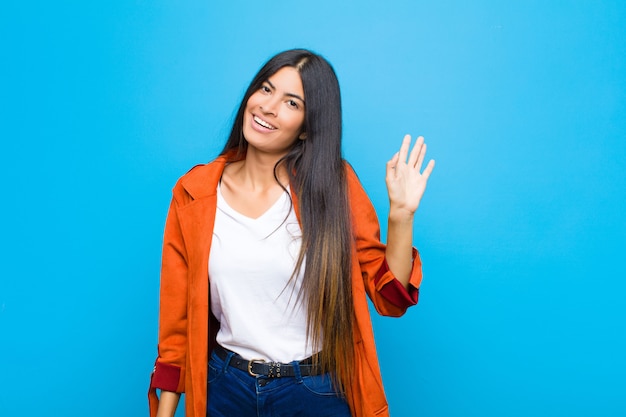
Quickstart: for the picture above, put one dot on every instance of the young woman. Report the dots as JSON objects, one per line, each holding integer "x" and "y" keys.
{"x": 269, "y": 252}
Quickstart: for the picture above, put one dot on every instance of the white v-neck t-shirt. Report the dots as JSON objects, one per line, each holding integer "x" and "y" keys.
{"x": 250, "y": 266}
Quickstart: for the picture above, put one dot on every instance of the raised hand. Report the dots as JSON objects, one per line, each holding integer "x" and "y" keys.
{"x": 405, "y": 183}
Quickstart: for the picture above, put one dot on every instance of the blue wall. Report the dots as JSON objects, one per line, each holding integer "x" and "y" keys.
{"x": 522, "y": 231}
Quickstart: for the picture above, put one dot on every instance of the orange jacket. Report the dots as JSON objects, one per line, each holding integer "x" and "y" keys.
{"x": 187, "y": 330}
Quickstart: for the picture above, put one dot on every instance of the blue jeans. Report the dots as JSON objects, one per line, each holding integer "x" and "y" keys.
{"x": 233, "y": 392}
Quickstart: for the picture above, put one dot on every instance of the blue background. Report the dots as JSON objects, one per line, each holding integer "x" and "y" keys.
{"x": 522, "y": 230}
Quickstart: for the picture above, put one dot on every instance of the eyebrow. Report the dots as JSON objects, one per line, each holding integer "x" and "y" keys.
{"x": 287, "y": 94}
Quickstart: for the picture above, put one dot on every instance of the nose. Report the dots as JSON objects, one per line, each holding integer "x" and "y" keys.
{"x": 270, "y": 105}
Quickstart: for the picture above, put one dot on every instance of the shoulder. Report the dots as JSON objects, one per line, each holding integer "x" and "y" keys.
{"x": 360, "y": 204}
{"x": 201, "y": 180}
{"x": 201, "y": 170}
{"x": 361, "y": 207}
{"x": 352, "y": 179}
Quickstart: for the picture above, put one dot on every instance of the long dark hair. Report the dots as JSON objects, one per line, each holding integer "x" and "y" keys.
{"x": 318, "y": 178}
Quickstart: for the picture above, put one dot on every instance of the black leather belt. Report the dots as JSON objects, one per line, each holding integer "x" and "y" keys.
{"x": 259, "y": 367}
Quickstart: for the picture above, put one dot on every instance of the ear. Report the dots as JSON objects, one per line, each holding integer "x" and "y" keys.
{"x": 302, "y": 136}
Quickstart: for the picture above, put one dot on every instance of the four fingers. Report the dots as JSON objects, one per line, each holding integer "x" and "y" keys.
{"x": 415, "y": 158}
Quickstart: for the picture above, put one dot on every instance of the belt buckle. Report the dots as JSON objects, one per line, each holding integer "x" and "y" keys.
{"x": 251, "y": 362}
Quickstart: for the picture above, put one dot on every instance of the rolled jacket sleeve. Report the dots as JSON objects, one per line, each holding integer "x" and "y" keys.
{"x": 393, "y": 290}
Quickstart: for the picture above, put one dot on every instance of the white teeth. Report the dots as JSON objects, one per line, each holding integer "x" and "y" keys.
{"x": 263, "y": 123}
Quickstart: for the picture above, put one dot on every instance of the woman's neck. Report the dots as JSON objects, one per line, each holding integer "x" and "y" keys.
{"x": 256, "y": 172}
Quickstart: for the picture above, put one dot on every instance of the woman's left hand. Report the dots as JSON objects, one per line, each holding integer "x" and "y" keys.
{"x": 405, "y": 183}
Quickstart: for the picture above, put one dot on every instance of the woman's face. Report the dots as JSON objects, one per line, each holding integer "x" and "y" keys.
{"x": 274, "y": 115}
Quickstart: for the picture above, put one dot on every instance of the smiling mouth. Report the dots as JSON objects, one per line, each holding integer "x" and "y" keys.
{"x": 263, "y": 123}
